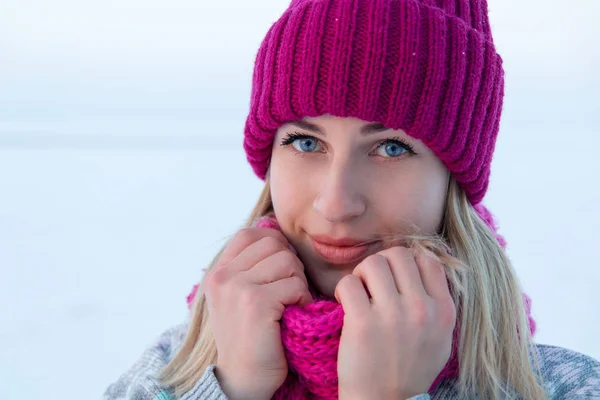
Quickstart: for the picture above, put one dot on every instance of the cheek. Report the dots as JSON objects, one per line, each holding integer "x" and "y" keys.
{"x": 290, "y": 188}
{"x": 412, "y": 199}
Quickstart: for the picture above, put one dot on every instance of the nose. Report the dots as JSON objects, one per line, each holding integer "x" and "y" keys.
{"x": 340, "y": 198}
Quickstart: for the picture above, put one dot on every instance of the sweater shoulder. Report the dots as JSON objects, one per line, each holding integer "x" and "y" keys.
{"x": 565, "y": 374}
{"x": 140, "y": 381}
{"x": 172, "y": 339}
{"x": 568, "y": 374}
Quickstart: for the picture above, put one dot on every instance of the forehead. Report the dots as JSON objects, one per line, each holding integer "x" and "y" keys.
{"x": 328, "y": 123}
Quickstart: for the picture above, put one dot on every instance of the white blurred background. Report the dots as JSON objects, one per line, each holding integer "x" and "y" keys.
{"x": 122, "y": 172}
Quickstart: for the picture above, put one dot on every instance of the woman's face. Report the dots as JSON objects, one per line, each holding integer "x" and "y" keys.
{"x": 337, "y": 182}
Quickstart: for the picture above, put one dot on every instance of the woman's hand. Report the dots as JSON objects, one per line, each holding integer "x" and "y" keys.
{"x": 395, "y": 343}
{"x": 256, "y": 276}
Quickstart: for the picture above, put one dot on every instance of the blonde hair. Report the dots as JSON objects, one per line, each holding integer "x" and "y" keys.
{"x": 495, "y": 353}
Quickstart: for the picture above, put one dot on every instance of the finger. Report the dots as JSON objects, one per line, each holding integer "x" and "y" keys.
{"x": 404, "y": 269}
{"x": 351, "y": 294}
{"x": 246, "y": 237}
{"x": 434, "y": 276}
{"x": 257, "y": 252}
{"x": 375, "y": 273}
{"x": 289, "y": 291}
{"x": 281, "y": 265}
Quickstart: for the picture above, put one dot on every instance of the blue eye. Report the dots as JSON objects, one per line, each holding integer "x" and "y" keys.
{"x": 393, "y": 148}
{"x": 302, "y": 143}
{"x": 306, "y": 145}
{"x": 389, "y": 148}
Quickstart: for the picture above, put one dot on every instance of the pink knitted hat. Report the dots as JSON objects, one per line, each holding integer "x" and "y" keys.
{"x": 428, "y": 67}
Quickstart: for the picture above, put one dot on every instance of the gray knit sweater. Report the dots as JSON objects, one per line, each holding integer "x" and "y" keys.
{"x": 567, "y": 375}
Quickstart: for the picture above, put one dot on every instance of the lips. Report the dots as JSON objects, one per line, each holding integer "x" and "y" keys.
{"x": 340, "y": 250}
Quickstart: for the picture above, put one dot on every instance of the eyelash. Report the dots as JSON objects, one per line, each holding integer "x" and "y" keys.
{"x": 292, "y": 137}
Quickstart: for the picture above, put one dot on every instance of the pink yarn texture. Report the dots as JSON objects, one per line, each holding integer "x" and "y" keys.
{"x": 311, "y": 335}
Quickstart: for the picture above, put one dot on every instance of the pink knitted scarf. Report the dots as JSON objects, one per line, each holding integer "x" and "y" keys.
{"x": 311, "y": 335}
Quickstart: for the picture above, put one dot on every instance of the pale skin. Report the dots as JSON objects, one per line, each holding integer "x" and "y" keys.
{"x": 339, "y": 177}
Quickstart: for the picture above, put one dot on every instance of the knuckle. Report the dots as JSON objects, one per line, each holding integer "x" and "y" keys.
{"x": 270, "y": 244}
{"x": 297, "y": 264}
{"x": 347, "y": 282}
{"x": 293, "y": 266}
{"x": 373, "y": 259}
{"x": 448, "y": 314}
{"x": 216, "y": 279}
{"x": 287, "y": 259}
{"x": 399, "y": 251}
{"x": 403, "y": 253}
{"x": 420, "y": 313}
{"x": 283, "y": 264}
{"x": 297, "y": 283}
{"x": 373, "y": 263}
{"x": 246, "y": 235}
{"x": 342, "y": 283}
{"x": 278, "y": 235}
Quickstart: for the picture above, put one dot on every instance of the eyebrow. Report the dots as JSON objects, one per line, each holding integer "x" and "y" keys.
{"x": 365, "y": 130}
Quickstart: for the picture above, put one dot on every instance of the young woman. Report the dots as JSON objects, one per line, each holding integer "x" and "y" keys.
{"x": 369, "y": 268}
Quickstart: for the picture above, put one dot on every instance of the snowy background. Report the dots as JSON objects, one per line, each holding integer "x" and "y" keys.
{"x": 122, "y": 172}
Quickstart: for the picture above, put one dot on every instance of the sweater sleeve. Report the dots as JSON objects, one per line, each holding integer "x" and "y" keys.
{"x": 140, "y": 381}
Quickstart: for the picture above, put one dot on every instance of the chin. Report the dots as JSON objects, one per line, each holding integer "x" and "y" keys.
{"x": 324, "y": 277}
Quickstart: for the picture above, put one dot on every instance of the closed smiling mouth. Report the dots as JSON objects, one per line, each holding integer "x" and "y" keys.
{"x": 341, "y": 250}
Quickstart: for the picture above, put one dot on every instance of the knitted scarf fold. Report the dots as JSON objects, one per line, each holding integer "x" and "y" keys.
{"x": 311, "y": 336}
